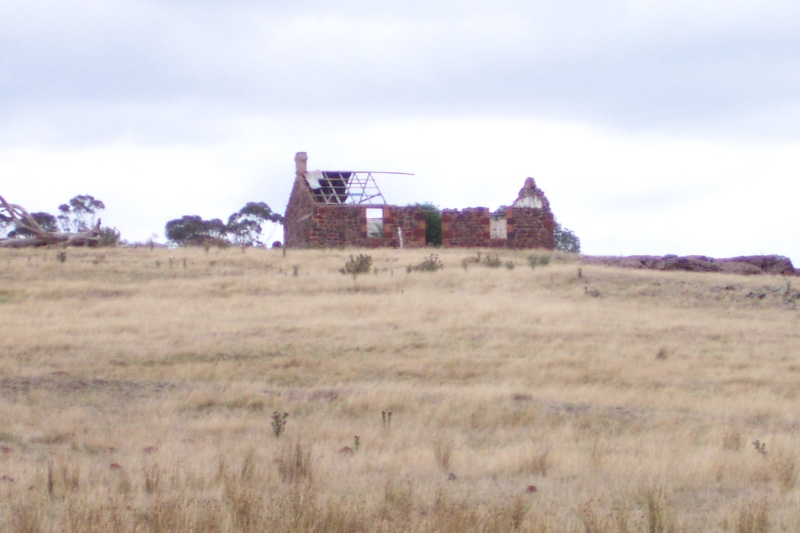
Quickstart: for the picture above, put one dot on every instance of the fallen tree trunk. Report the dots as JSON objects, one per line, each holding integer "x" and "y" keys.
{"x": 42, "y": 237}
{"x": 89, "y": 238}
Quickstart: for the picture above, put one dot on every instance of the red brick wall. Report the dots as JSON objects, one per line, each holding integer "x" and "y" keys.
{"x": 312, "y": 225}
{"x": 335, "y": 225}
{"x": 467, "y": 228}
{"x": 530, "y": 228}
{"x": 526, "y": 228}
{"x": 409, "y": 219}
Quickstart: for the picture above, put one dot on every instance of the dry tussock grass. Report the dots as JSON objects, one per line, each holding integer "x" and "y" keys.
{"x": 137, "y": 387}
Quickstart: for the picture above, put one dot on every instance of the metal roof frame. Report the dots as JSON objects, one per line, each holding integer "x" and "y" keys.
{"x": 350, "y": 187}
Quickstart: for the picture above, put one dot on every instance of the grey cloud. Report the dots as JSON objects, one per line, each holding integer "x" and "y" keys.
{"x": 594, "y": 62}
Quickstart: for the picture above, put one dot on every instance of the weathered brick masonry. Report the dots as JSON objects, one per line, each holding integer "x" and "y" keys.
{"x": 332, "y": 226}
{"x": 468, "y": 228}
{"x": 528, "y": 223}
{"x": 310, "y": 222}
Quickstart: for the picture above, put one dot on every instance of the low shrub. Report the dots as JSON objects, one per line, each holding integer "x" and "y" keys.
{"x": 492, "y": 261}
{"x": 357, "y": 265}
{"x": 429, "y": 264}
{"x": 542, "y": 260}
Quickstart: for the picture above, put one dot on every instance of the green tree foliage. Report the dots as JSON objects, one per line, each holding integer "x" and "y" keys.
{"x": 47, "y": 222}
{"x": 433, "y": 222}
{"x": 244, "y": 228}
{"x": 566, "y": 240}
{"x": 80, "y": 214}
{"x": 192, "y": 229}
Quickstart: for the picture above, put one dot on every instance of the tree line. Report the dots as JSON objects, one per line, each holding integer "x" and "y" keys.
{"x": 244, "y": 227}
{"x": 81, "y": 217}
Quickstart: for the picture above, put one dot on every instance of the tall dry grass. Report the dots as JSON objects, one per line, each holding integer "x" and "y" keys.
{"x": 137, "y": 389}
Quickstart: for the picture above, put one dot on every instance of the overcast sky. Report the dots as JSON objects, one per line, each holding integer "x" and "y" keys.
{"x": 653, "y": 127}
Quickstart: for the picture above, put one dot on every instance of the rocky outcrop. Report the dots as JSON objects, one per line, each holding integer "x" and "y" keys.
{"x": 745, "y": 265}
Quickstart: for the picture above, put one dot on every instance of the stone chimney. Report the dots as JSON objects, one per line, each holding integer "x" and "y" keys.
{"x": 300, "y": 163}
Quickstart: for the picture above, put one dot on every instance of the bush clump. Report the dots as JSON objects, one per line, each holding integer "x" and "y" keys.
{"x": 492, "y": 261}
{"x": 542, "y": 260}
{"x": 429, "y": 264}
{"x": 357, "y": 265}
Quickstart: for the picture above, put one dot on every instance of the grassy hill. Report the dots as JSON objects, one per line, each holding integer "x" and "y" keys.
{"x": 140, "y": 390}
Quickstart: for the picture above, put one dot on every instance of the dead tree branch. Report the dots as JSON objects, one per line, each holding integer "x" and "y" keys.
{"x": 20, "y": 216}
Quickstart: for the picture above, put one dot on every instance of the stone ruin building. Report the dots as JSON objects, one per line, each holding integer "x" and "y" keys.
{"x": 334, "y": 208}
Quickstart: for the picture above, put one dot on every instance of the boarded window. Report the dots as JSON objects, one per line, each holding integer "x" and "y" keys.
{"x": 374, "y": 222}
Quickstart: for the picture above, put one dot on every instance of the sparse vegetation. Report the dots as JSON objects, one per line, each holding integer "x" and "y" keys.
{"x": 753, "y": 518}
{"x": 490, "y": 400}
{"x": 295, "y": 463}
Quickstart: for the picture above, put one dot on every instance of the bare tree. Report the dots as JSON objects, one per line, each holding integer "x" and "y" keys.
{"x": 38, "y": 236}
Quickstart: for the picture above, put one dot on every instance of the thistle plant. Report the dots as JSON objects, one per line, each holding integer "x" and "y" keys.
{"x": 761, "y": 447}
{"x": 279, "y": 422}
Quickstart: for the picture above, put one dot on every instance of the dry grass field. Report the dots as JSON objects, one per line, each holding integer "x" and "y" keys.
{"x": 138, "y": 392}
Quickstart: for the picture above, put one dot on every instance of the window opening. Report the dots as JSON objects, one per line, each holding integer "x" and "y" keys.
{"x": 498, "y": 225}
{"x": 374, "y": 222}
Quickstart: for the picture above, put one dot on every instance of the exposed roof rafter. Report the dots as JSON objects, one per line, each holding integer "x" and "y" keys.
{"x": 347, "y": 187}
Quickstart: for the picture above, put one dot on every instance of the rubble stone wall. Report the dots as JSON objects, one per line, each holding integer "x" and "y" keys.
{"x": 336, "y": 225}
{"x": 297, "y": 220}
{"x": 530, "y": 228}
{"x": 333, "y": 226}
{"x": 525, "y": 228}
{"x": 467, "y": 228}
